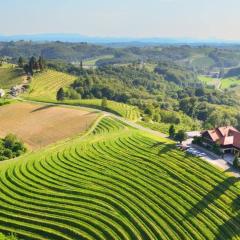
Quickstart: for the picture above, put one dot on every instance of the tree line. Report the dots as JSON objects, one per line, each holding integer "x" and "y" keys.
{"x": 33, "y": 65}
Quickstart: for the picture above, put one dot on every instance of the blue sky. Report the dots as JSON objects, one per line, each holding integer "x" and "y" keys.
{"x": 123, "y": 18}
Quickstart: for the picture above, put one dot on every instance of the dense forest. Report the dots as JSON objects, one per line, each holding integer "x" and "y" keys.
{"x": 160, "y": 95}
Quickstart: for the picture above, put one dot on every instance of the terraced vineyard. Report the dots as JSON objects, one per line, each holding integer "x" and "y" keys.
{"x": 117, "y": 183}
{"x": 46, "y": 84}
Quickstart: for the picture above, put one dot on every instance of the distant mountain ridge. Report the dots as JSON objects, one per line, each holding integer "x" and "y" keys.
{"x": 65, "y": 37}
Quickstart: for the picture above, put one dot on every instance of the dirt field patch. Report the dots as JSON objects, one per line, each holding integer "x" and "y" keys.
{"x": 40, "y": 125}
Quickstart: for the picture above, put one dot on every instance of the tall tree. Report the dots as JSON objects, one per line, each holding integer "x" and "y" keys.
{"x": 41, "y": 63}
{"x": 171, "y": 131}
{"x": 32, "y": 65}
{"x": 60, "y": 94}
{"x": 20, "y": 62}
{"x": 181, "y": 136}
{"x": 26, "y": 69}
{"x": 81, "y": 65}
{"x": 104, "y": 103}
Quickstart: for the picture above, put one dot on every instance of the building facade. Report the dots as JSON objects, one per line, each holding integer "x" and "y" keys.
{"x": 227, "y": 138}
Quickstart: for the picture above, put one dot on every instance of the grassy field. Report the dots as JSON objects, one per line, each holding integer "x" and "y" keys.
{"x": 117, "y": 183}
{"x": 229, "y": 82}
{"x": 39, "y": 125}
{"x": 92, "y": 61}
{"x": 208, "y": 80}
{"x": 10, "y": 76}
{"x": 46, "y": 84}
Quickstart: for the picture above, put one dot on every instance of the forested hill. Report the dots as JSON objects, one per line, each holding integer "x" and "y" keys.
{"x": 164, "y": 82}
{"x": 200, "y": 58}
{"x": 158, "y": 97}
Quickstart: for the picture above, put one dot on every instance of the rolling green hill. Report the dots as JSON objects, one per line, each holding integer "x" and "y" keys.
{"x": 93, "y": 61}
{"x": 117, "y": 183}
{"x": 46, "y": 84}
{"x": 230, "y": 82}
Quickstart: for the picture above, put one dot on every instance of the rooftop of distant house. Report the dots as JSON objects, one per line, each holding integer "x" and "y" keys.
{"x": 225, "y": 136}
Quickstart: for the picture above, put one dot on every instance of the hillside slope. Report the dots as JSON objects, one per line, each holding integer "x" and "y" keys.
{"x": 44, "y": 87}
{"x": 10, "y": 76}
{"x": 117, "y": 183}
{"x": 46, "y": 84}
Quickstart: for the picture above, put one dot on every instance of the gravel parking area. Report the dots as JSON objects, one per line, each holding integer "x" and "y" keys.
{"x": 213, "y": 159}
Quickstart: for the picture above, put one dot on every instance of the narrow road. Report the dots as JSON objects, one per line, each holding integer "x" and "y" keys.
{"x": 130, "y": 123}
{"x": 211, "y": 158}
{"x": 217, "y": 161}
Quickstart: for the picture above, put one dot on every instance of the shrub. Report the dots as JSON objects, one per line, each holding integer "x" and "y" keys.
{"x": 171, "y": 131}
{"x": 104, "y": 103}
{"x": 11, "y": 147}
{"x": 236, "y": 162}
{"x": 181, "y": 136}
{"x": 197, "y": 140}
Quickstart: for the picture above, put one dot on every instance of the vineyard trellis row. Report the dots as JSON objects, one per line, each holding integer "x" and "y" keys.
{"x": 117, "y": 183}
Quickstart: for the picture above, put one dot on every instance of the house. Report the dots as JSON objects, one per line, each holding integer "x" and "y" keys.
{"x": 228, "y": 138}
{"x": 2, "y": 93}
{"x": 16, "y": 90}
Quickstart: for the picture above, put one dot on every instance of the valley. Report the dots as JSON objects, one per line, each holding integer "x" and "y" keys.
{"x": 101, "y": 162}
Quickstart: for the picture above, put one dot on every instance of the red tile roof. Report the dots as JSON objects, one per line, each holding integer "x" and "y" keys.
{"x": 225, "y": 136}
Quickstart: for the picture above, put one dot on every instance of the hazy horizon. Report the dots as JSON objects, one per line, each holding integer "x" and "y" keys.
{"x": 129, "y": 18}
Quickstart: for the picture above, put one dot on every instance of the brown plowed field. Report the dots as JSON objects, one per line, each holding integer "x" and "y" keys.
{"x": 40, "y": 125}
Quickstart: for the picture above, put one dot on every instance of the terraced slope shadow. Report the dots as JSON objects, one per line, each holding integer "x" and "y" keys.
{"x": 43, "y": 108}
{"x": 113, "y": 185}
{"x": 234, "y": 222}
{"x": 231, "y": 227}
{"x": 163, "y": 148}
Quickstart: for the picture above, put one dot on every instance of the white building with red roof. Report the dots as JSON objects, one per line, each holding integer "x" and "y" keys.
{"x": 228, "y": 138}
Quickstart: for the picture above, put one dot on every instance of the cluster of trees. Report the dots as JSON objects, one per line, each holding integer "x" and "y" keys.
{"x": 33, "y": 65}
{"x": 211, "y": 115}
{"x": 215, "y": 147}
{"x": 179, "y": 136}
{"x": 236, "y": 162}
{"x": 177, "y": 74}
{"x": 11, "y": 147}
{"x": 139, "y": 86}
{"x": 61, "y": 95}
{"x": 90, "y": 87}
{"x": 158, "y": 114}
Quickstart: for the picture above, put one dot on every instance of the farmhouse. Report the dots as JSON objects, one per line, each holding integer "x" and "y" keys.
{"x": 2, "y": 93}
{"x": 228, "y": 138}
{"x": 16, "y": 90}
